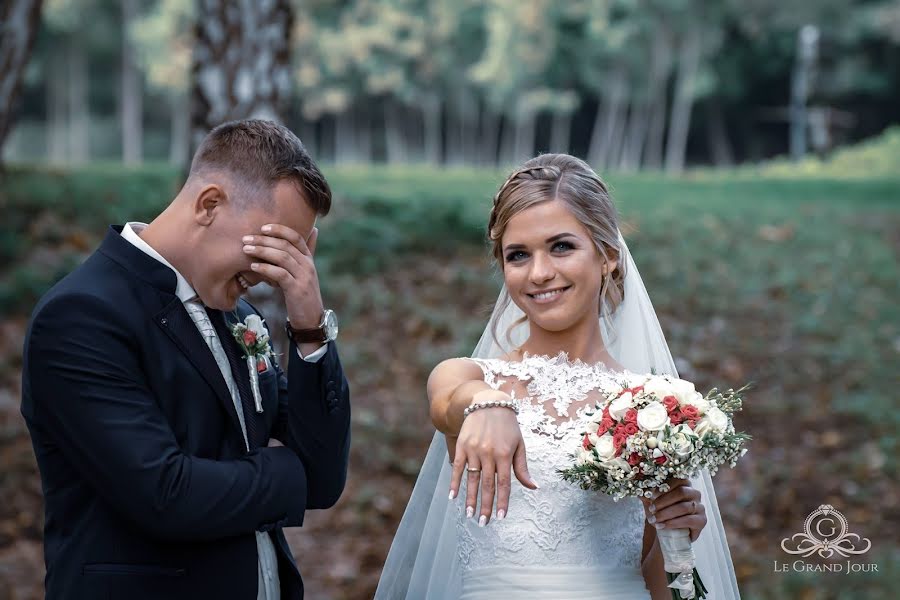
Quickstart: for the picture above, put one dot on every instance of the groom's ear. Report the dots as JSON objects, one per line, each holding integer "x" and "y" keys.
{"x": 208, "y": 202}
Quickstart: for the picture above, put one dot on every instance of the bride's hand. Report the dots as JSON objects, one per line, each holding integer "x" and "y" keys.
{"x": 489, "y": 444}
{"x": 679, "y": 508}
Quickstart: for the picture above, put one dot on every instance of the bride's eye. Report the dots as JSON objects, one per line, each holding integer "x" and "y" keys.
{"x": 515, "y": 256}
{"x": 563, "y": 246}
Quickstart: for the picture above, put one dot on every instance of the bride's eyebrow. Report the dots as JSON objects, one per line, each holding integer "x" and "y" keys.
{"x": 549, "y": 240}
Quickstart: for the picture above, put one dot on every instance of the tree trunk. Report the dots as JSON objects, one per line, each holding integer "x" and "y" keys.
{"x": 393, "y": 133}
{"x": 680, "y": 121}
{"x": 431, "y": 113}
{"x": 132, "y": 96}
{"x": 19, "y": 21}
{"x": 490, "y": 130}
{"x": 468, "y": 108}
{"x": 241, "y": 62}
{"x": 607, "y": 115}
{"x": 560, "y": 132}
{"x": 344, "y": 146}
{"x": 648, "y": 118}
{"x": 717, "y": 132}
{"x": 524, "y": 140}
{"x": 507, "y": 152}
{"x": 653, "y": 155}
{"x": 179, "y": 128}
{"x": 57, "y": 112}
{"x": 79, "y": 108}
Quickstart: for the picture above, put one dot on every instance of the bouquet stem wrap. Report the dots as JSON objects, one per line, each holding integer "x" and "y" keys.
{"x": 678, "y": 556}
{"x": 254, "y": 383}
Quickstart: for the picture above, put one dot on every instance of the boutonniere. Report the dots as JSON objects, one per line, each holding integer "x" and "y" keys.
{"x": 253, "y": 338}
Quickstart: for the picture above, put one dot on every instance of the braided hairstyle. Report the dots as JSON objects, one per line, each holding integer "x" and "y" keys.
{"x": 570, "y": 180}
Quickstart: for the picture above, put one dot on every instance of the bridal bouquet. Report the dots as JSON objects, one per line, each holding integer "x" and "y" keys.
{"x": 649, "y": 430}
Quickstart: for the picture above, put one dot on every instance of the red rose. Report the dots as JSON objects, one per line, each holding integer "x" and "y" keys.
{"x": 619, "y": 442}
{"x": 660, "y": 459}
{"x": 670, "y": 402}
{"x": 637, "y": 390}
{"x": 631, "y": 416}
{"x": 631, "y": 428}
{"x": 620, "y": 429}
{"x": 676, "y": 417}
{"x": 692, "y": 423}
{"x": 606, "y": 414}
{"x": 249, "y": 338}
{"x": 605, "y": 425}
{"x": 586, "y": 443}
{"x": 634, "y": 459}
{"x": 689, "y": 411}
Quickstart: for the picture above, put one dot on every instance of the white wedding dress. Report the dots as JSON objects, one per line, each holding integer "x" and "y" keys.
{"x": 557, "y": 542}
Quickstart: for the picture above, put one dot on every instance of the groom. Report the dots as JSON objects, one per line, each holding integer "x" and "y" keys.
{"x": 152, "y": 442}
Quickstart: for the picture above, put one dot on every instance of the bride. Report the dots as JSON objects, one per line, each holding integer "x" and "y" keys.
{"x": 573, "y": 316}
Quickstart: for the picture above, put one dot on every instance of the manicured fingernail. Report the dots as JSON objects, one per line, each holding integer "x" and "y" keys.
{"x": 254, "y": 266}
{"x": 247, "y": 239}
{"x": 651, "y": 519}
{"x": 249, "y": 248}
{"x": 482, "y": 521}
{"x": 267, "y": 228}
{"x": 501, "y": 514}
{"x": 452, "y": 494}
{"x": 470, "y": 512}
{"x": 652, "y": 508}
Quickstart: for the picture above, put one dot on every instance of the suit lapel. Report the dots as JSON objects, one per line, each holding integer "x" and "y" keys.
{"x": 179, "y": 326}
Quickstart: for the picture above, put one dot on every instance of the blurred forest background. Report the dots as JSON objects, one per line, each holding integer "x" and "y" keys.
{"x": 753, "y": 148}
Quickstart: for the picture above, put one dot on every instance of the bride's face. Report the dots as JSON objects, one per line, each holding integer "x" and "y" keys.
{"x": 551, "y": 267}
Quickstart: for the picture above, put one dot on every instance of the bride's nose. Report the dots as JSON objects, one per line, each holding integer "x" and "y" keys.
{"x": 541, "y": 269}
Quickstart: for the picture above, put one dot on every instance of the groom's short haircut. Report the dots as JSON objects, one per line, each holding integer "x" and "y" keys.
{"x": 257, "y": 154}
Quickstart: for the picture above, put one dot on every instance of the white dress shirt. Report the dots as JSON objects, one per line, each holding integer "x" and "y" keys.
{"x": 268, "y": 587}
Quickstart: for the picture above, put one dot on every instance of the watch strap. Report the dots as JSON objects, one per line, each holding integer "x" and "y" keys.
{"x": 305, "y": 336}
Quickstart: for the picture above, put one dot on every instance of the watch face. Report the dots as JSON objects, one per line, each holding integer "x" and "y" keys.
{"x": 331, "y": 325}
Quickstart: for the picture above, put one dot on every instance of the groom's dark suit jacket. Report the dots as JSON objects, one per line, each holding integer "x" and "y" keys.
{"x": 149, "y": 491}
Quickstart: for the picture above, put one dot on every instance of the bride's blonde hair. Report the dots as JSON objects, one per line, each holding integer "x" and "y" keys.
{"x": 570, "y": 180}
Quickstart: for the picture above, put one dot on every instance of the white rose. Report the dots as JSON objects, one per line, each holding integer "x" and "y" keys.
{"x": 659, "y": 387}
{"x": 703, "y": 426}
{"x": 620, "y": 406}
{"x": 684, "y": 390}
{"x": 717, "y": 419}
{"x": 255, "y": 324}
{"x": 605, "y": 448}
{"x": 652, "y": 417}
{"x": 584, "y": 458}
{"x": 680, "y": 440}
{"x": 697, "y": 400}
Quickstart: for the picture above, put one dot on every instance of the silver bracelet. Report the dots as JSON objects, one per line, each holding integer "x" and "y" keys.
{"x": 492, "y": 404}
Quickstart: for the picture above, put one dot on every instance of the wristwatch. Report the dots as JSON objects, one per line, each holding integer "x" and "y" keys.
{"x": 327, "y": 330}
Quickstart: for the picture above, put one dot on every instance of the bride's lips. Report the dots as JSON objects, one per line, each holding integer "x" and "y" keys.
{"x": 547, "y": 296}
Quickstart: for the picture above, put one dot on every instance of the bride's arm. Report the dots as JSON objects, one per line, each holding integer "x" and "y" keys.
{"x": 451, "y": 388}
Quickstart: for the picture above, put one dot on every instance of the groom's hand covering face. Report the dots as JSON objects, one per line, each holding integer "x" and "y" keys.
{"x": 224, "y": 272}
{"x": 284, "y": 259}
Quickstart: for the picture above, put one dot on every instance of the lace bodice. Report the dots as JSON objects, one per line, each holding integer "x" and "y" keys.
{"x": 557, "y": 524}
